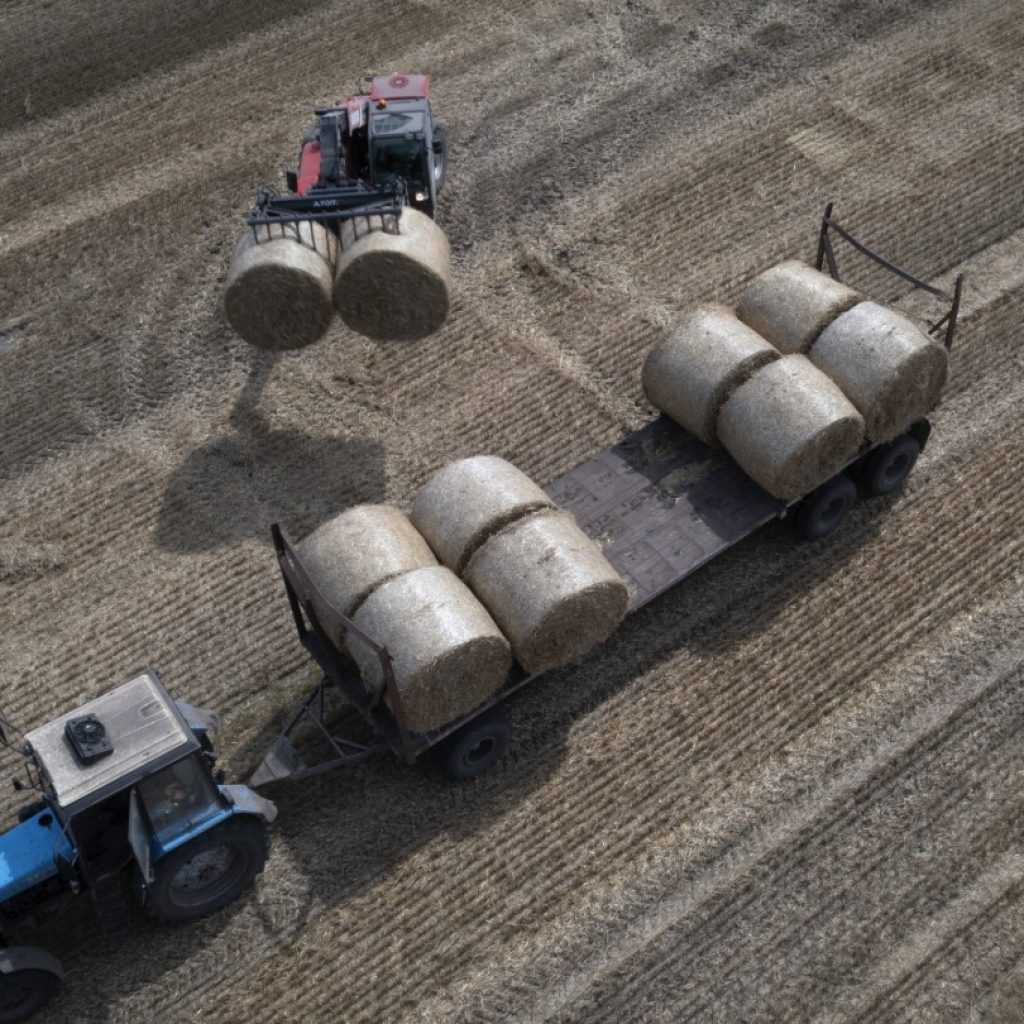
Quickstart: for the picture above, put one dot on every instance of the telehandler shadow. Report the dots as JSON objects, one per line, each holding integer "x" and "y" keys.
{"x": 341, "y": 833}
{"x": 233, "y": 487}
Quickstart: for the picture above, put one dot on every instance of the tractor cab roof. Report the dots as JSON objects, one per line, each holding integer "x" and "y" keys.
{"x": 143, "y": 724}
{"x": 400, "y": 87}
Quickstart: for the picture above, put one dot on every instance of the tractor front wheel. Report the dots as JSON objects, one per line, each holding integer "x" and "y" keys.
{"x": 24, "y": 991}
{"x": 207, "y": 873}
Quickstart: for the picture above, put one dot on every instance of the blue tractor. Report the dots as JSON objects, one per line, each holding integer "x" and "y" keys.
{"x": 127, "y": 793}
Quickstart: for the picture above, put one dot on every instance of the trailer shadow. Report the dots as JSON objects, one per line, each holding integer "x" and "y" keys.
{"x": 342, "y": 834}
{"x": 231, "y": 488}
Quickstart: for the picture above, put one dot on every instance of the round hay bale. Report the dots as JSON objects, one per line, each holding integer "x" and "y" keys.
{"x": 393, "y": 287}
{"x": 448, "y": 654}
{"x": 790, "y": 304}
{"x": 279, "y": 289}
{"x": 351, "y": 555}
{"x": 885, "y": 364}
{"x": 461, "y": 505}
{"x": 690, "y": 374}
{"x": 790, "y": 428}
{"x": 550, "y": 589}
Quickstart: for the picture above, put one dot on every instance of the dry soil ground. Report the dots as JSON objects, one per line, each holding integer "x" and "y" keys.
{"x": 788, "y": 790}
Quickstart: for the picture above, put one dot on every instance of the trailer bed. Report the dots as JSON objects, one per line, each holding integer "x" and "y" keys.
{"x": 660, "y": 504}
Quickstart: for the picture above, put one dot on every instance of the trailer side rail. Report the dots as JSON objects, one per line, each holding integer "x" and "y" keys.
{"x": 826, "y": 254}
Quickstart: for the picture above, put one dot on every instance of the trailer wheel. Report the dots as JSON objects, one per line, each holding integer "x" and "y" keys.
{"x": 823, "y": 510}
{"x": 477, "y": 746}
{"x": 24, "y": 991}
{"x": 889, "y": 465}
{"x": 207, "y": 873}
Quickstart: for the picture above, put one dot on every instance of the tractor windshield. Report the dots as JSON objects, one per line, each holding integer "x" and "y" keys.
{"x": 177, "y": 798}
{"x": 398, "y": 158}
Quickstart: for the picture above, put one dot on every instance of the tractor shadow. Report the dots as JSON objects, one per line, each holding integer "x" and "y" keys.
{"x": 342, "y": 833}
{"x": 231, "y": 488}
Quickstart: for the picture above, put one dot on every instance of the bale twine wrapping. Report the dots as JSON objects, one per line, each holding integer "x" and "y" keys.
{"x": 467, "y": 501}
{"x": 393, "y": 287}
{"x": 550, "y": 589}
{"x": 279, "y": 287}
{"x": 790, "y": 428}
{"x": 448, "y": 654}
{"x": 790, "y": 304}
{"x": 351, "y": 555}
{"x": 887, "y": 367}
{"x": 690, "y": 374}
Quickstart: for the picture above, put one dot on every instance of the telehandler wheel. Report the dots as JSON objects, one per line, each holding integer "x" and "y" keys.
{"x": 477, "y": 746}
{"x": 889, "y": 465}
{"x": 207, "y": 873}
{"x": 823, "y": 510}
{"x": 24, "y": 991}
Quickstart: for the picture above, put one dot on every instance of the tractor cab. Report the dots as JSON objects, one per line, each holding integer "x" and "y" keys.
{"x": 127, "y": 785}
{"x": 127, "y": 777}
{"x": 404, "y": 142}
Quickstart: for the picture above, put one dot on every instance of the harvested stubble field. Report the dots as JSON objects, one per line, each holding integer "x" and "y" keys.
{"x": 788, "y": 790}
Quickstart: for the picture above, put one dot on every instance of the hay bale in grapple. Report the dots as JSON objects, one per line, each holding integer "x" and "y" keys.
{"x": 549, "y": 588}
{"x": 887, "y": 367}
{"x": 461, "y": 505}
{"x": 279, "y": 289}
{"x": 790, "y": 304}
{"x": 393, "y": 284}
{"x": 690, "y": 374}
{"x": 351, "y": 555}
{"x": 790, "y": 428}
{"x": 449, "y": 655}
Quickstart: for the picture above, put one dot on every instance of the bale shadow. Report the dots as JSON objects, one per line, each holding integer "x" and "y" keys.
{"x": 233, "y": 487}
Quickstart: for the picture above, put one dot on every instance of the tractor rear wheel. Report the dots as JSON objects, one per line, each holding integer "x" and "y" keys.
{"x": 25, "y": 991}
{"x": 208, "y": 873}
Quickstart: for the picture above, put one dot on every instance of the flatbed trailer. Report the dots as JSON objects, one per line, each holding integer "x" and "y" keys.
{"x": 659, "y": 503}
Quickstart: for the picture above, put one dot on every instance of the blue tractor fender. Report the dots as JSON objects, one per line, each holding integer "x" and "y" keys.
{"x": 29, "y": 958}
{"x": 245, "y": 801}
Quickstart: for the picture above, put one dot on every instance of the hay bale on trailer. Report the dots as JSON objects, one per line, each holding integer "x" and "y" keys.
{"x": 549, "y": 588}
{"x": 888, "y": 368}
{"x": 790, "y": 428}
{"x": 448, "y": 654}
{"x": 690, "y": 374}
{"x": 791, "y": 303}
{"x": 279, "y": 294}
{"x": 467, "y": 501}
{"x": 351, "y": 555}
{"x": 393, "y": 277}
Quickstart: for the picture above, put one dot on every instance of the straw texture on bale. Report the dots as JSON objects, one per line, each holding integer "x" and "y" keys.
{"x": 393, "y": 287}
{"x": 791, "y": 303}
{"x": 279, "y": 288}
{"x": 351, "y": 555}
{"x": 550, "y": 589}
{"x": 690, "y": 374}
{"x": 448, "y": 654}
{"x": 790, "y": 428}
{"x": 887, "y": 367}
{"x": 467, "y": 501}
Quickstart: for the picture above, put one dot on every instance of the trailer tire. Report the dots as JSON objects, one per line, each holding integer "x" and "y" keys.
{"x": 476, "y": 747}
{"x": 24, "y": 991}
{"x": 821, "y": 512}
{"x": 889, "y": 465}
{"x": 208, "y": 873}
